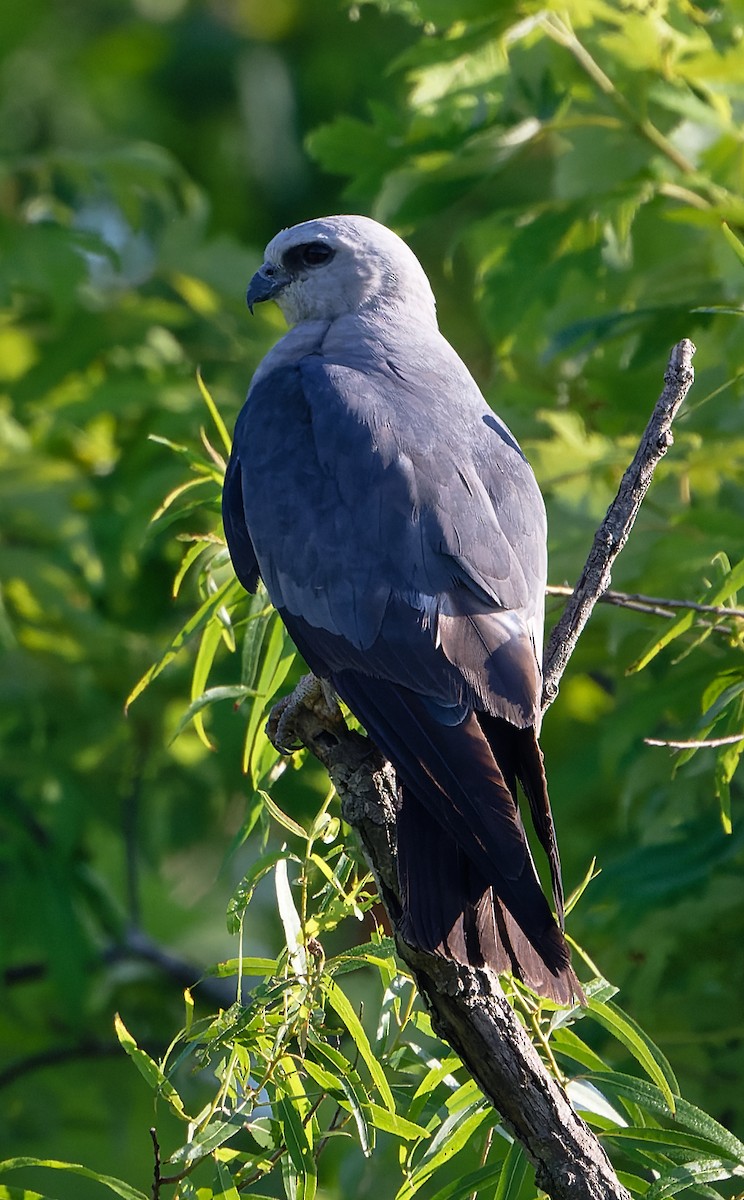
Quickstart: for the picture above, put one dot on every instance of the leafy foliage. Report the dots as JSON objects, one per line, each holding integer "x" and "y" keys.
{"x": 571, "y": 177}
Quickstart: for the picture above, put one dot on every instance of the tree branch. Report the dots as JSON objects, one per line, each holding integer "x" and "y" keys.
{"x": 657, "y": 606}
{"x": 615, "y": 528}
{"x": 468, "y": 1007}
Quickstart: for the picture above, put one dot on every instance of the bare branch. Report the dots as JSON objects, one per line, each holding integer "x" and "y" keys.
{"x": 617, "y": 524}
{"x": 659, "y": 606}
{"x": 704, "y": 744}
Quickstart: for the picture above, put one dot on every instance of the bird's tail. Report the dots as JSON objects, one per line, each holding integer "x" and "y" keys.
{"x": 469, "y": 887}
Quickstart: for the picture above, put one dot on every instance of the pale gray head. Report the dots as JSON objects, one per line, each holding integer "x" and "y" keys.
{"x": 323, "y": 269}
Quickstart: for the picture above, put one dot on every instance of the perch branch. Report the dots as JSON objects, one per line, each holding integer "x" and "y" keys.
{"x": 468, "y": 1007}
{"x": 618, "y": 522}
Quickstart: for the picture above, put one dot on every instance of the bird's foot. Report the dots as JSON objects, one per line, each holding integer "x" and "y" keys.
{"x": 312, "y": 695}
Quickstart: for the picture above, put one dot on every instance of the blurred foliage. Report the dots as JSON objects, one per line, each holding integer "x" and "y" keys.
{"x": 571, "y": 175}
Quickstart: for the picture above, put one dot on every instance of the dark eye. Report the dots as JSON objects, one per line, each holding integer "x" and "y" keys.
{"x": 309, "y": 255}
{"x": 316, "y": 253}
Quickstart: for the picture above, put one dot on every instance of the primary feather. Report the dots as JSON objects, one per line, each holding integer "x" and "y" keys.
{"x": 401, "y": 534}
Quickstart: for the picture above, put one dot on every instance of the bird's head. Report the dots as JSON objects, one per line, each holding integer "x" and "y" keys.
{"x": 324, "y": 269}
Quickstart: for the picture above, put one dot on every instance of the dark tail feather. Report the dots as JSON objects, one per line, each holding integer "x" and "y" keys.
{"x": 468, "y": 884}
{"x": 449, "y": 909}
{"x": 519, "y": 755}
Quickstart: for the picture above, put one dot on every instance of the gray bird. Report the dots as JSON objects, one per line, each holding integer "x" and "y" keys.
{"x": 401, "y": 535}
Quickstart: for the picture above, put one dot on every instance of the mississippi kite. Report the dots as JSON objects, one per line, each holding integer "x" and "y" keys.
{"x": 401, "y": 535}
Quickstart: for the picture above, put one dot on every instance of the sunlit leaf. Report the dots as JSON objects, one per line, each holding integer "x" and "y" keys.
{"x": 125, "y": 1190}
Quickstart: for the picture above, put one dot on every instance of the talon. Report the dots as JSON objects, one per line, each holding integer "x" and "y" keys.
{"x": 311, "y": 693}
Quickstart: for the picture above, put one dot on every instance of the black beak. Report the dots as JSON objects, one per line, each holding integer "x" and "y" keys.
{"x": 266, "y": 284}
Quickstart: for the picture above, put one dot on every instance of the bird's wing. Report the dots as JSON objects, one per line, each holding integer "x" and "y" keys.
{"x": 368, "y": 495}
{"x": 236, "y": 531}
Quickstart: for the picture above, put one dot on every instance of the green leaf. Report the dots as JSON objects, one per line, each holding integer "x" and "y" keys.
{"x": 13, "y": 1193}
{"x": 208, "y": 1139}
{"x": 214, "y": 412}
{"x": 211, "y": 696}
{"x": 125, "y": 1190}
{"x": 243, "y": 893}
{"x": 685, "y": 1176}
{"x": 476, "y": 1183}
{"x": 652, "y": 1100}
{"x": 566, "y": 1041}
{"x": 249, "y": 966}
{"x": 622, "y": 1027}
{"x": 451, "y": 1137}
{"x": 351, "y": 1084}
{"x": 293, "y": 1111}
{"x": 718, "y": 594}
{"x": 734, "y": 242}
{"x": 148, "y": 1068}
{"x": 225, "y": 595}
{"x": 660, "y": 1137}
{"x": 281, "y": 817}
{"x": 514, "y": 1172}
{"x": 342, "y": 1007}
{"x": 394, "y": 1123}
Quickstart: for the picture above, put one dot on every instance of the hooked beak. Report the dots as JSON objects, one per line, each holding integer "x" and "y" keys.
{"x": 268, "y": 281}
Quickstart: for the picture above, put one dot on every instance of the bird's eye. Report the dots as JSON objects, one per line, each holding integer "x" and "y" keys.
{"x": 314, "y": 254}
{"x": 308, "y": 256}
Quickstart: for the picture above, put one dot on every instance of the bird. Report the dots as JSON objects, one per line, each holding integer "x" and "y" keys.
{"x": 401, "y": 535}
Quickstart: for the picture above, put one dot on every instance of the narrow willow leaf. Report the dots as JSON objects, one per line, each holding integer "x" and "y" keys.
{"x": 208, "y": 646}
{"x": 125, "y": 1190}
{"x": 477, "y": 1183}
{"x": 281, "y": 817}
{"x": 394, "y": 1123}
{"x": 226, "y": 1188}
{"x": 334, "y": 1085}
{"x": 212, "y": 1136}
{"x": 290, "y": 919}
{"x": 687, "y": 1175}
{"x": 213, "y": 695}
{"x": 586, "y": 1098}
{"x": 243, "y": 893}
{"x": 226, "y": 594}
{"x": 351, "y": 1083}
{"x": 148, "y": 1068}
{"x": 718, "y": 594}
{"x": 214, "y": 412}
{"x": 640, "y": 1045}
{"x": 456, "y": 1133}
{"x": 176, "y": 493}
{"x": 292, "y": 1109}
{"x": 736, "y": 245}
{"x": 13, "y": 1193}
{"x": 189, "y": 558}
{"x": 513, "y": 1174}
{"x": 565, "y": 1041}
{"x": 373, "y": 954}
{"x": 650, "y": 1099}
{"x": 661, "y": 1138}
{"x": 342, "y": 1007}
{"x": 248, "y": 966}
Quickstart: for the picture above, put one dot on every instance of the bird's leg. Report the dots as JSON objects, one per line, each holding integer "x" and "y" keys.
{"x": 312, "y": 695}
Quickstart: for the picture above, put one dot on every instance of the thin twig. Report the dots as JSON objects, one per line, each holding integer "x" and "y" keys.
{"x": 615, "y": 528}
{"x": 156, "y": 1177}
{"x": 703, "y": 744}
{"x": 660, "y": 606}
